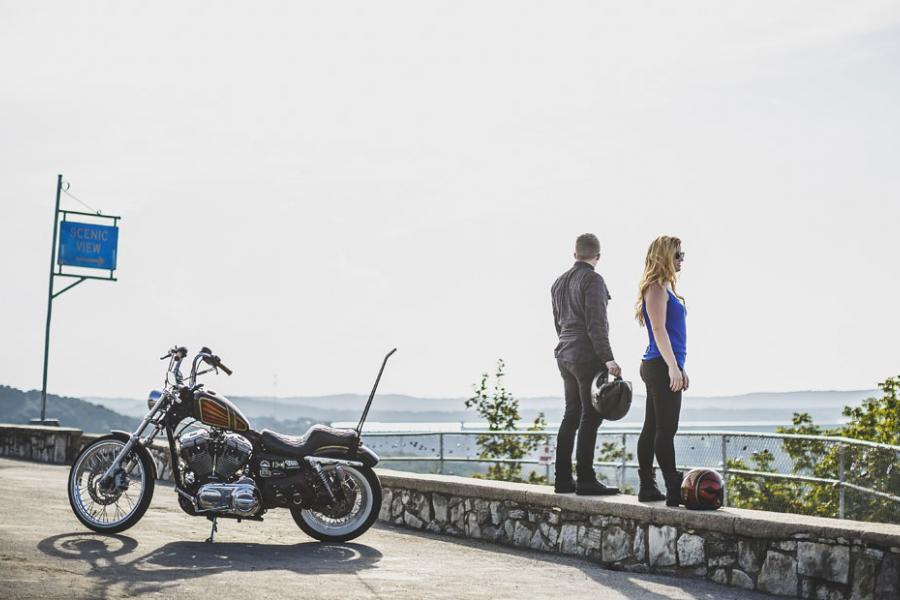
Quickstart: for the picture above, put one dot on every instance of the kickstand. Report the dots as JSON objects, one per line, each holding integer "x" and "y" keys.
{"x": 212, "y": 534}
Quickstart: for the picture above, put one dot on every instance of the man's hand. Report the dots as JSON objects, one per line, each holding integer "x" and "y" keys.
{"x": 614, "y": 369}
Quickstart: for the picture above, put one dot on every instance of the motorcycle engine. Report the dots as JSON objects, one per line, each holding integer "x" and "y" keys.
{"x": 217, "y": 455}
{"x": 212, "y": 459}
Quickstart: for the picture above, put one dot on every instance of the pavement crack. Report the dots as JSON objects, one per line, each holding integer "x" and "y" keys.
{"x": 368, "y": 587}
{"x": 51, "y": 569}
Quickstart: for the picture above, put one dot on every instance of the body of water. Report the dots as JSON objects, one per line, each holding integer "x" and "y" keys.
{"x": 465, "y": 426}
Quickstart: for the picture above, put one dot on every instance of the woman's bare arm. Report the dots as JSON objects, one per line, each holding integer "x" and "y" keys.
{"x": 655, "y": 299}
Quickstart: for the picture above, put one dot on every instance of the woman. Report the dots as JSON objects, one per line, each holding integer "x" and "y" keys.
{"x": 662, "y": 311}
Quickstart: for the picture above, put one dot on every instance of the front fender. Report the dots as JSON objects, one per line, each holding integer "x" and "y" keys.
{"x": 124, "y": 436}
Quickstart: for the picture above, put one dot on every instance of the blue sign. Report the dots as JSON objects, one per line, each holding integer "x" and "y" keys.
{"x": 88, "y": 245}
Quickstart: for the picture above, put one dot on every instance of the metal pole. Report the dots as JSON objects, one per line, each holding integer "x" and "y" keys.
{"x": 841, "y": 487}
{"x": 50, "y": 299}
{"x": 724, "y": 470}
{"x": 624, "y": 461}
{"x": 441, "y": 462}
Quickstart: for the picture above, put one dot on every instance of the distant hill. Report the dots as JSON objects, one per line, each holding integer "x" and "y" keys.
{"x": 288, "y": 426}
{"x": 20, "y": 407}
{"x": 294, "y": 415}
{"x": 825, "y": 407}
{"x": 17, "y": 406}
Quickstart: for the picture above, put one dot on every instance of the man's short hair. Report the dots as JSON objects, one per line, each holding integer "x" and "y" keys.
{"x": 587, "y": 246}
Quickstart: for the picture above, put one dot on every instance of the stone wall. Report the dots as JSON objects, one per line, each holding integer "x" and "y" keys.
{"x": 57, "y": 445}
{"x": 786, "y": 555}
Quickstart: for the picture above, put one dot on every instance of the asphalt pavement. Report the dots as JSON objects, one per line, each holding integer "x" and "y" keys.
{"x": 46, "y": 553}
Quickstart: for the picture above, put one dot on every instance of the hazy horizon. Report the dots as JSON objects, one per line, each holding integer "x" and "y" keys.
{"x": 744, "y": 410}
{"x": 637, "y": 392}
{"x": 304, "y": 186}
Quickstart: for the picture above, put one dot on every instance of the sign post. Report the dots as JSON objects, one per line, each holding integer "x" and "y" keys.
{"x": 84, "y": 245}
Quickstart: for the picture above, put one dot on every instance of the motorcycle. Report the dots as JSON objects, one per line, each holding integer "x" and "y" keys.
{"x": 223, "y": 468}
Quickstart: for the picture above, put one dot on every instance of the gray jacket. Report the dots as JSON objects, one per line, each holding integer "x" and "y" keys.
{"x": 579, "y": 313}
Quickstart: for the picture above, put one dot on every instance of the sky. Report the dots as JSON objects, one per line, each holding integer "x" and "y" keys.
{"x": 305, "y": 185}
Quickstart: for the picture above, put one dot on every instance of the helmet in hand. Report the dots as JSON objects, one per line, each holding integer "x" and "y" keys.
{"x": 612, "y": 400}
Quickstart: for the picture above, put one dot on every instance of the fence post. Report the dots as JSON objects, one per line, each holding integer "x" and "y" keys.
{"x": 441, "y": 456}
{"x": 624, "y": 461}
{"x": 724, "y": 470}
{"x": 841, "y": 487}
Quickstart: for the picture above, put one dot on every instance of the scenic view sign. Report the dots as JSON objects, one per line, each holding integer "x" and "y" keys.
{"x": 88, "y": 245}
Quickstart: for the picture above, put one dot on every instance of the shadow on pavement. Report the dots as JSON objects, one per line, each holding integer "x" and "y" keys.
{"x": 115, "y": 559}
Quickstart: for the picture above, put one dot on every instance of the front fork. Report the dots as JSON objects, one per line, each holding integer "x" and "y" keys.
{"x": 135, "y": 439}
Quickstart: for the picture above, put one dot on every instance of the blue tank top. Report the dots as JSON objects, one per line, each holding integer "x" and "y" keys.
{"x": 676, "y": 327}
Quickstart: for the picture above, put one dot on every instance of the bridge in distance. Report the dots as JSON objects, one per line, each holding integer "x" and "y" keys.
{"x": 46, "y": 553}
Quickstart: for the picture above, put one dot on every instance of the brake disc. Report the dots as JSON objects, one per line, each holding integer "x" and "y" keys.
{"x": 104, "y": 497}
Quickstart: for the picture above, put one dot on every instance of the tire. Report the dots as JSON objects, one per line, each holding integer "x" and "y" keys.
{"x": 311, "y": 522}
{"x": 133, "y": 510}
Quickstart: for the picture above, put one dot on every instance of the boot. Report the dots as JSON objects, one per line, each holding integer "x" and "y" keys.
{"x": 564, "y": 486}
{"x": 563, "y": 482}
{"x": 649, "y": 492}
{"x": 592, "y": 487}
{"x": 673, "y": 487}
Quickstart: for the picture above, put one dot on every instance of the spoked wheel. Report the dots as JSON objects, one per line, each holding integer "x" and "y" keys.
{"x": 116, "y": 505}
{"x": 358, "y": 502}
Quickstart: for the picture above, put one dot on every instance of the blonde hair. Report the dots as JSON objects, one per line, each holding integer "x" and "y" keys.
{"x": 659, "y": 267}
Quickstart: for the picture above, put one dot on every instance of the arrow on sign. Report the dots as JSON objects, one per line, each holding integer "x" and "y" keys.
{"x": 97, "y": 261}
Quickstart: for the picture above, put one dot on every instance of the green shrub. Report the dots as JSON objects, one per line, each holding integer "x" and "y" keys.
{"x": 500, "y": 409}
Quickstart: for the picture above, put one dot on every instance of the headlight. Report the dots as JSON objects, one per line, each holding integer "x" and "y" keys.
{"x": 153, "y": 398}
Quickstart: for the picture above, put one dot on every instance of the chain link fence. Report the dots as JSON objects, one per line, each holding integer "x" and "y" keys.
{"x": 821, "y": 475}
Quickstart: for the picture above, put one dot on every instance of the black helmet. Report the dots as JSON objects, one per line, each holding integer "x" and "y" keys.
{"x": 612, "y": 398}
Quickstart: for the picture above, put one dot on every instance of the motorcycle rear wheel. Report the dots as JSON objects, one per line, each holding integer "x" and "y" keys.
{"x": 92, "y": 504}
{"x": 361, "y": 515}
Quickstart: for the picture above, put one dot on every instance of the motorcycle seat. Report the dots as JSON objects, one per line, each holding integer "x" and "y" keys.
{"x": 317, "y": 437}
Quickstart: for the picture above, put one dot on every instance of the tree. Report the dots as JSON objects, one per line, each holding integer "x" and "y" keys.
{"x": 876, "y": 420}
{"x": 500, "y": 409}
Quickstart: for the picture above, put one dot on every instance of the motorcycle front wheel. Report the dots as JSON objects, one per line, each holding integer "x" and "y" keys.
{"x": 116, "y": 505}
{"x": 358, "y": 507}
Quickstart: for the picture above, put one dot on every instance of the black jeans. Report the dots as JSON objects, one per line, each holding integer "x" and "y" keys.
{"x": 580, "y": 416}
{"x": 661, "y": 418}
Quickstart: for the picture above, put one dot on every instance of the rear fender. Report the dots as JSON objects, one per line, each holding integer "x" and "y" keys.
{"x": 364, "y": 455}
{"x": 367, "y": 456}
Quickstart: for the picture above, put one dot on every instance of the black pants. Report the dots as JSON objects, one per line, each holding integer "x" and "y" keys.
{"x": 580, "y": 416}
{"x": 661, "y": 418}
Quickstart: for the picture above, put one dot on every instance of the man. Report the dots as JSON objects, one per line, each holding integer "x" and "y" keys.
{"x": 583, "y": 352}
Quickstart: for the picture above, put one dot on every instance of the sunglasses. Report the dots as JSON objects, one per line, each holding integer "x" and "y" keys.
{"x": 679, "y": 256}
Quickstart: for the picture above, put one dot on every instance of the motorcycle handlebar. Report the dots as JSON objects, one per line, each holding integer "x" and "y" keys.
{"x": 214, "y": 360}
{"x": 222, "y": 366}
{"x": 180, "y": 350}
